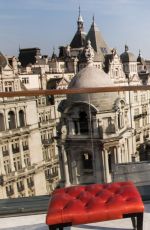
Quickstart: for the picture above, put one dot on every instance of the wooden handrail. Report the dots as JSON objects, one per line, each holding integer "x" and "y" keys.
{"x": 73, "y": 91}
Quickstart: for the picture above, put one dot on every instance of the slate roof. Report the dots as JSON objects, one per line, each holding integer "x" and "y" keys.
{"x": 3, "y": 60}
{"x": 79, "y": 40}
{"x": 97, "y": 42}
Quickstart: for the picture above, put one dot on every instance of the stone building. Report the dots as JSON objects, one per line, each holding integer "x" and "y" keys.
{"x": 99, "y": 130}
{"x": 28, "y": 153}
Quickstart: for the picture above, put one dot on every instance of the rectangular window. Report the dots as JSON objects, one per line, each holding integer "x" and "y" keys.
{"x": 20, "y": 185}
{"x": 27, "y": 160}
{"x": 17, "y": 163}
{"x": 5, "y": 151}
{"x": 25, "y": 80}
{"x": 25, "y": 145}
{"x": 7, "y": 167}
{"x": 15, "y": 147}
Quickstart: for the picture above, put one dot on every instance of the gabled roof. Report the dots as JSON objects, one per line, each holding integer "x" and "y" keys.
{"x": 97, "y": 41}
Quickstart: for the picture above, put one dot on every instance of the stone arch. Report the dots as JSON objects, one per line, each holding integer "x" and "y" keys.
{"x": 81, "y": 117}
{"x": 83, "y": 122}
{"x": 2, "y": 123}
{"x": 21, "y": 118}
{"x": 11, "y": 120}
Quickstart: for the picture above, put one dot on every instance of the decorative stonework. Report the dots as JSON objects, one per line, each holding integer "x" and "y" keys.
{"x": 89, "y": 53}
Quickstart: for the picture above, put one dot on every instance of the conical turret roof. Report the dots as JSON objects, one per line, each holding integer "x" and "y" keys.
{"x": 97, "y": 41}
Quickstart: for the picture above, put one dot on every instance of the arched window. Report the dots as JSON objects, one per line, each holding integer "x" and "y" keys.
{"x": 11, "y": 120}
{"x": 2, "y": 125}
{"x": 21, "y": 118}
{"x": 87, "y": 161}
{"x": 83, "y": 122}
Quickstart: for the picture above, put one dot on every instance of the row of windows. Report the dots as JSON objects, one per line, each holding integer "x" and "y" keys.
{"x": 44, "y": 116}
{"x": 12, "y": 124}
{"x": 16, "y": 163}
{"x": 49, "y": 153}
{"x": 51, "y": 172}
{"x": 20, "y": 184}
{"x": 15, "y": 147}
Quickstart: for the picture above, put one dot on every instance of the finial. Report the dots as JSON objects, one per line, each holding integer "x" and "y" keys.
{"x": 139, "y": 53}
{"x": 126, "y": 48}
{"x": 79, "y": 11}
{"x": 89, "y": 53}
{"x": 93, "y": 18}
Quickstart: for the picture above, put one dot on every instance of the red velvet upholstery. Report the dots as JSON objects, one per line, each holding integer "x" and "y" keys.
{"x": 93, "y": 203}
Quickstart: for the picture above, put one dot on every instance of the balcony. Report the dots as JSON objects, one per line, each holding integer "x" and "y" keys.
{"x": 47, "y": 142}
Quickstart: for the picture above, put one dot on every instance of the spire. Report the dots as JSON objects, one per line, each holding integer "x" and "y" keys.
{"x": 79, "y": 38}
{"x": 80, "y": 21}
{"x": 139, "y": 53}
{"x": 126, "y": 48}
{"x": 79, "y": 11}
{"x": 93, "y": 18}
{"x": 54, "y": 56}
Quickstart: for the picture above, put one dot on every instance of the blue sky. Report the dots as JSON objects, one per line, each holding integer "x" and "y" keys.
{"x": 49, "y": 23}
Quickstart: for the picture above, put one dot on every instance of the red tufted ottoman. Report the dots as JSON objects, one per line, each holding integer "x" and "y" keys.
{"x": 94, "y": 203}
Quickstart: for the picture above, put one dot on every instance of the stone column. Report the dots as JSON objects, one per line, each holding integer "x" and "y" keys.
{"x": 2, "y": 170}
{"x": 105, "y": 165}
{"x": 21, "y": 154}
{"x": 66, "y": 170}
{"x": 95, "y": 128}
{"x": 71, "y": 127}
{"x": 15, "y": 189}
{"x": 119, "y": 154}
{"x": 115, "y": 155}
{"x": 6, "y": 119}
{"x": 17, "y": 118}
{"x": 11, "y": 157}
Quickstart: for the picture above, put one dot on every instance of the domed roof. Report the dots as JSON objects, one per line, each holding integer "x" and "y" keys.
{"x": 90, "y": 77}
{"x": 3, "y": 60}
{"x": 127, "y": 56}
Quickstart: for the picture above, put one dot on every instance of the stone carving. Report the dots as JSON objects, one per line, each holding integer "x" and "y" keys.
{"x": 89, "y": 52}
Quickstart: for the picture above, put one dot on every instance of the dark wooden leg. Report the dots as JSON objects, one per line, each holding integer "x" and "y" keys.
{"x": 140, "y": 221}
{"x": 55, "y": 227}
{"x": 134, "y": 222}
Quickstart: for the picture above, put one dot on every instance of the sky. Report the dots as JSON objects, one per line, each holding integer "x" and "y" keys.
{"x": 52, "y": 23}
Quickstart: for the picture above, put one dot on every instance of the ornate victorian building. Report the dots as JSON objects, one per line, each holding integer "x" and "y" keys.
{"x": 28, "y": 153}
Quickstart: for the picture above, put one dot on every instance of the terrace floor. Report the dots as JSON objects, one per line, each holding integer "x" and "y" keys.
{"x": 37, "y": 222}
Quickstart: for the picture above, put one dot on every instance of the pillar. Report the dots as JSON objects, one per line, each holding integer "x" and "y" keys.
{"x": 105, "y": 165}
{"x": 21, "y": 154}
{"x": 119, "y": 154}
{"x": 11, "y": 157}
